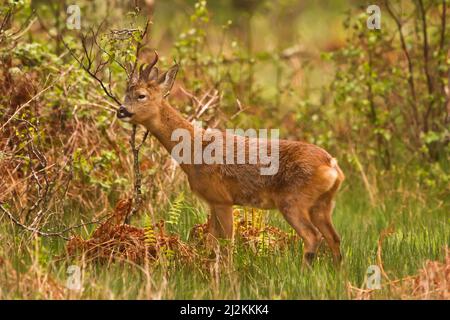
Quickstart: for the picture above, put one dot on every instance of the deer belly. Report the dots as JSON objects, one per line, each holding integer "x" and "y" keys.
{"x": 259, "y": 200}
{"x": 211, "y": 191}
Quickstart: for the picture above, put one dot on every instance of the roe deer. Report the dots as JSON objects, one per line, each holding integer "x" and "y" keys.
{"x": 303, "y": 189}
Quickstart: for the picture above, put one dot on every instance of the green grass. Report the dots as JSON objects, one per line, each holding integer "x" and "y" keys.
{"x": 421, "y": 231}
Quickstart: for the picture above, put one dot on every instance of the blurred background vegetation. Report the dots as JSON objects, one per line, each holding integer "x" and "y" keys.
{"x": 377, "y": 100}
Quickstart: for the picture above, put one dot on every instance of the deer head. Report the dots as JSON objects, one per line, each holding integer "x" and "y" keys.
{"x": 145, "y": 92}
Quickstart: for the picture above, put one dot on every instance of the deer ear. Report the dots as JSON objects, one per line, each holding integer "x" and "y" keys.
{"x": 167, "y": 79}
{"x": 153, "y": 76}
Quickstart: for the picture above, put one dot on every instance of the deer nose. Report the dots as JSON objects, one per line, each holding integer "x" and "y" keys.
{"x": 122, "y": 112}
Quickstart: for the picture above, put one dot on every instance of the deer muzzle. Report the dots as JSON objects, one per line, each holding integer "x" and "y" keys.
{"x": 123, "y": 113}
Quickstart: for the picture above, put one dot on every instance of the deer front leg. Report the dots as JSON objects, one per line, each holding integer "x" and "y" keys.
{"x": 221, "y": 222}
{"x": 220, "y": 225}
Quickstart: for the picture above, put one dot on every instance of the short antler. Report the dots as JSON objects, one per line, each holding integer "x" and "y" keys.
{"x": 148, "y": 72}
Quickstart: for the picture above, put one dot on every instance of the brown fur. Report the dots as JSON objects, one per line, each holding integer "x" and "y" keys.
{"x": 303, "y": 189}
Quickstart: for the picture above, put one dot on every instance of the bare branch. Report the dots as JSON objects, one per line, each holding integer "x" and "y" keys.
{"x": 425, "y": 62}
{"x": 408, "y": 58}
{"x": 33, "y": 230}
{"x": 443, "y": 25}
{"x": 87, "y": 66}
{"x": 49, "y": 233}
{"x": 137, "y": 202}
{"x": 140, "y": 44}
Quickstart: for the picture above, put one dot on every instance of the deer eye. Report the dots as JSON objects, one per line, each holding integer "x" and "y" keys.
{"x": 141, "y": 97}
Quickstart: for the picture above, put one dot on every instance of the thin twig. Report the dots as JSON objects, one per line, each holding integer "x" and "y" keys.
{"x": 47, "y": 233}
{"x": 137, "y": 202}
{"x": 87, "y": 67}
{"x": 408, "y": 58}
{"x": 425, "y": 62}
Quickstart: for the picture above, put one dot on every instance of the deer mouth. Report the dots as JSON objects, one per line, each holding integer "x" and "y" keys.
{"x": 123, "y": 113}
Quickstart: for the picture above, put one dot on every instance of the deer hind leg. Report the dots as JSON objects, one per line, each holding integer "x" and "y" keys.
{"x": 297, "y": 216}
{"x": 321, "y": 214}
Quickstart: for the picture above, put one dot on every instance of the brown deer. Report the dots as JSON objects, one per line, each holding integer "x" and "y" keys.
{"x": 303, "y": 188}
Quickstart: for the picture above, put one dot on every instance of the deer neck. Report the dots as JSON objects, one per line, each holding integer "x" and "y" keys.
{"x": 168, "y": 121}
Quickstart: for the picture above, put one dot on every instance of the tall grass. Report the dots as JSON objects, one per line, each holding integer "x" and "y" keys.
{"x": 420, "y": 231}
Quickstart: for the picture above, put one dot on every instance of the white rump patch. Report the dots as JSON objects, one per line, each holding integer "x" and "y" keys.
{"x": 330, "y": 175}
{"x": 333, "y": 162}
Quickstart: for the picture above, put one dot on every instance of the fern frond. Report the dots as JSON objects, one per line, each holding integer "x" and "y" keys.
{"x": 149, "y": 232}
{"x": 175, "y": 210}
